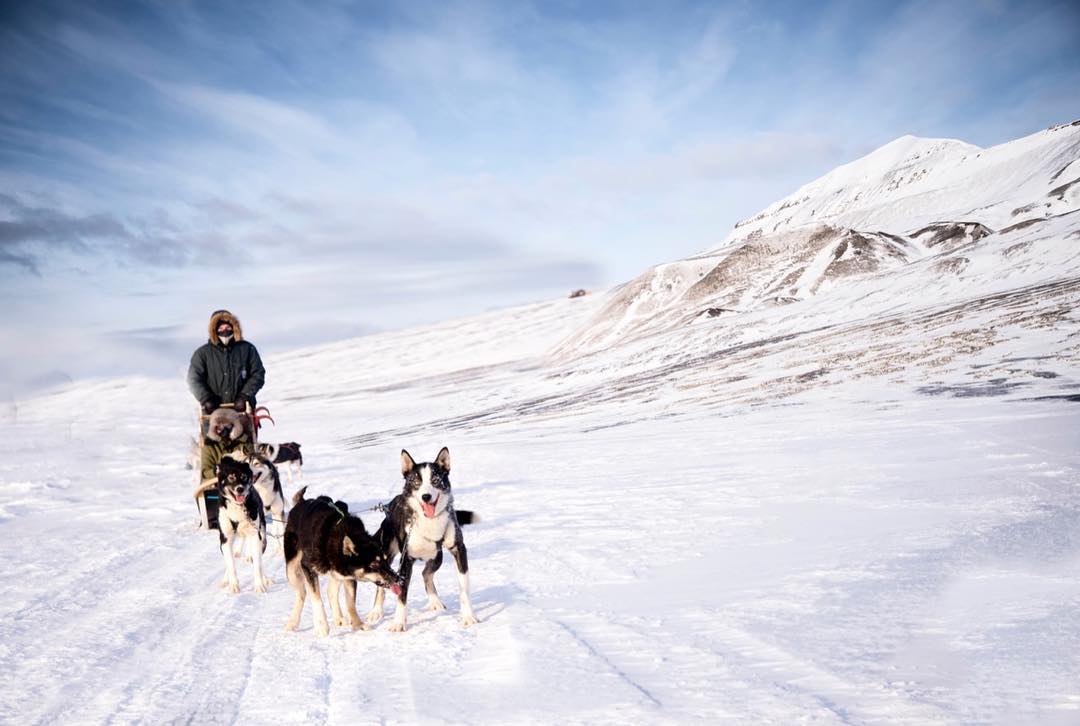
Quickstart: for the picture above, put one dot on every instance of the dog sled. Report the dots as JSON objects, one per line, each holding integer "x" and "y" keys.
{"x": 205, "y": 494}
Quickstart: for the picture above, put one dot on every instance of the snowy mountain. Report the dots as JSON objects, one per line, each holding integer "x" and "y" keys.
{"x": 912, "y": 182}
{"x": 826, "y": 471}
{"x": 972, "y": 249}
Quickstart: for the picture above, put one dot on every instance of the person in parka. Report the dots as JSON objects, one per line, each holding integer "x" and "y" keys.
{"x": 227, "y": 368}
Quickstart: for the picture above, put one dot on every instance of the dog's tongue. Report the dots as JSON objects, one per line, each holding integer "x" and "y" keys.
{"x": 429, "y": 508}
{"x": 396, "y": 589}
{"x": 240, "y": 498}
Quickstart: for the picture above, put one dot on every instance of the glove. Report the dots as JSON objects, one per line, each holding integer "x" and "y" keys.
{"x": 240, "y": 404}
{"x": 209, "y": 405}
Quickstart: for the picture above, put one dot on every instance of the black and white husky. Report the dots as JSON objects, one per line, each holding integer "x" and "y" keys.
{"x": 322, "y": 538}
{"x": 267, "y": 481}
{"x": 240, "y": 518}
{"x": 419, "y": 523}
{"x": 287, "y": 456}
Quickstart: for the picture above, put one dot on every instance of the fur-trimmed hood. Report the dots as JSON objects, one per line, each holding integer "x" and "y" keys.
{"x": 224, "y": 315}
{"x": 240, "y": 426}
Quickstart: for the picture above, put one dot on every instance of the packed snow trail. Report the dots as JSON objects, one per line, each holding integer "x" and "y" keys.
{"x": 909, "y": 561}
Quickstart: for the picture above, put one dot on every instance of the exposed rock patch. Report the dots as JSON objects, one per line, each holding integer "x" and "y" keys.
{"x": 950, "y": 235}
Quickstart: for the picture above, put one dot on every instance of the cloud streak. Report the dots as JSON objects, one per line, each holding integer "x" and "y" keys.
{"x": 30, "y": 235}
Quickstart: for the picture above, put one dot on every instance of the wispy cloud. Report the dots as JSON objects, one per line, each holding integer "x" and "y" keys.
{"x": 288, "y": 129}
{"x": 30, "y": 235}
{"x": 27, "y": 233}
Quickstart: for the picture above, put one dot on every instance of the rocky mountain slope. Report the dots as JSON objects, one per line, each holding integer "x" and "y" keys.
{"x": 934, "y": 249}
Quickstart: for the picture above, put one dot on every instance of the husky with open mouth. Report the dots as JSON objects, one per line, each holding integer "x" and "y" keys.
{"x": 267, "y": 481}
{"x": 322, "y": 538}
{"x": 240, "y": 517}
{"x": 419, "y": 523}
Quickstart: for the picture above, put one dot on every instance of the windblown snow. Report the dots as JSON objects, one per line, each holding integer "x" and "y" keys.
{"x": 825, "y": 472}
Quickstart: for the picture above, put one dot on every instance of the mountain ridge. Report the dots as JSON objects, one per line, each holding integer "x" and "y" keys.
{"x": 913, "y": 167}
{"x": 907, "y": 202}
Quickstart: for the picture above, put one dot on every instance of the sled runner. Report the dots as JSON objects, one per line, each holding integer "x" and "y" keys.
{"x": 206, "y": 496}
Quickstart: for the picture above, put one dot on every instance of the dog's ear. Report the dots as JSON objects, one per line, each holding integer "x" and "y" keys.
{"x": 443, "y": 459}
{"x": 347, "y": 546}
{"x": 407, "y": 463}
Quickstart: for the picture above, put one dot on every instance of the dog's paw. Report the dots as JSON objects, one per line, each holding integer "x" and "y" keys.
{"x": 397, "y": 627}
{"x": 468, "y": 619}
{"x": 233, "y": 586}
{"x": 434, "y": 604}
{"x": 322, "y": 630}
{"x": 373, "y": 617}
{"x": 358, "y": 624}
{"x": 340, "y": 621}
{"x": 291, "y": 624}
{"x": 260, "y": 586}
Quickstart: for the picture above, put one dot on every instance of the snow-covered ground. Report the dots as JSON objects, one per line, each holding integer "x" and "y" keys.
{"x": 857, "y": 505}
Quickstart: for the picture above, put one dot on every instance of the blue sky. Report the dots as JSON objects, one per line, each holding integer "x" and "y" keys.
{"x": 329, "y": 169}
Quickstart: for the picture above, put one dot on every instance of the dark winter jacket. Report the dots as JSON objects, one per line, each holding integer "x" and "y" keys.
{"x": 220, "y": 372}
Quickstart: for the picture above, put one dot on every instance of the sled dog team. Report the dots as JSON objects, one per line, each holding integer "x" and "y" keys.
{"x": 321, "y": 537}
